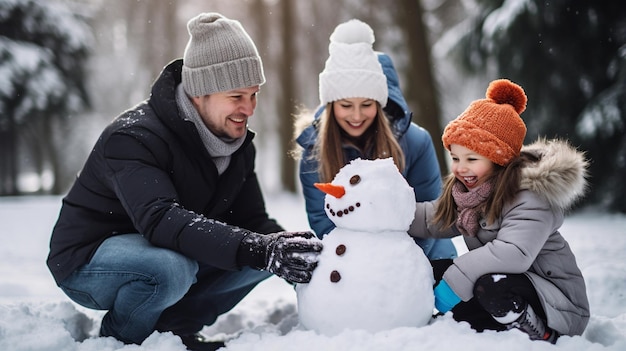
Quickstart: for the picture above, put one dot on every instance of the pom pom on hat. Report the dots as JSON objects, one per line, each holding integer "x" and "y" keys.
{"x": 353, "y": 32}
{"x": 352, "y": 69}
{"x": 220, "y": 56}
{"x": 492, "y": 127}
{"x": 504, "y": 91}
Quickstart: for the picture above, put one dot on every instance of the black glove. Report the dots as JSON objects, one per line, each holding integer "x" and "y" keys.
{"x": 290, "y": 255}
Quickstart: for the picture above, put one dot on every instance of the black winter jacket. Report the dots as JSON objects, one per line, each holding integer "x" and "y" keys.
{"x": 149, "y": 173}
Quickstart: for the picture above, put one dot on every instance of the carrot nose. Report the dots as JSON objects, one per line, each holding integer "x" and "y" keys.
{"x": 335, "y": 190}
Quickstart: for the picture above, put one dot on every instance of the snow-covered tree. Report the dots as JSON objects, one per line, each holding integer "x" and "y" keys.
{"x": 43, "y": 49}
{"x": 570, "y": 57}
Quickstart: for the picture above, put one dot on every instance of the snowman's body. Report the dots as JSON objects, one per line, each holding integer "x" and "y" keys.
{"x": 370, "y": 275}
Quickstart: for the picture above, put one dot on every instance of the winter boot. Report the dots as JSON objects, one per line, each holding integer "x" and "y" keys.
{"x": 197, "y": 342}
{"x": 535, "y": 327}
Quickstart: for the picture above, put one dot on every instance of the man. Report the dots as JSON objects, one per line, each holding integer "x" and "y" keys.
{"x": 165, "y": 225}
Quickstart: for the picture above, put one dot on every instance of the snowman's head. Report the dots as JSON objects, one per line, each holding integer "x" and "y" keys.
{"x": 369, "y": 195}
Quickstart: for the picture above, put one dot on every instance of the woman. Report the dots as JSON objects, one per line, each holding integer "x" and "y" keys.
{"x": 364, "y": 115}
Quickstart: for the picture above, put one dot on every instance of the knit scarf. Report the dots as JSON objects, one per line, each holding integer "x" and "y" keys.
{"x": 220, "y": 149}
{"x": 469, "y": 205}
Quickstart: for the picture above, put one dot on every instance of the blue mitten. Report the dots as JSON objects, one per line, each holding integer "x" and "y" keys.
{"x": 445, "y": 298}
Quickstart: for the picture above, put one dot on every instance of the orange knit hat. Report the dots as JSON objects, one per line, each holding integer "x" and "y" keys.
{"x": 491, "y": 127}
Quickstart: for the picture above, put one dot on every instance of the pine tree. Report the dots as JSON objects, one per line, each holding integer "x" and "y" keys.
{"x": 570, "y": 57}
{"x": 43, "y": 52}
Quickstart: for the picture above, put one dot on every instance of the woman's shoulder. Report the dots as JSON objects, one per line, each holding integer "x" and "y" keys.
{"x": 416, "y": 141}
{"x": 417, "y": 135}
{"x": 305, "y": 131}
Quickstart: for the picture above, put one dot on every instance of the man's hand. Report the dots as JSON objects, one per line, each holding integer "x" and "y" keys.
{"x": 290, "y": 255}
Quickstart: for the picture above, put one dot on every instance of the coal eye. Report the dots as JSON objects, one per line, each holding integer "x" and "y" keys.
{"x": 355, "y": 179}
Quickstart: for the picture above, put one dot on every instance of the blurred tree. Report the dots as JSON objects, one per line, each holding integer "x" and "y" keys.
{"x": 43, "y": 48}
{"x": 421, "y": 85}
{"x": 152, "y": 29}
{"x": 134, "y": 40}
{"x": 287, "y": 99}
{"x": 570, "y": 58}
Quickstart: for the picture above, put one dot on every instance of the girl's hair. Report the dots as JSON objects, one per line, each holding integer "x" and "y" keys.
{"x": 378, "y": 141}
{"x": 507, "y": 184}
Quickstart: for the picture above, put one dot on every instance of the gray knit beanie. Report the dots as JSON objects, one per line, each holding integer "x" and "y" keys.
{"x": 219, "y": 56}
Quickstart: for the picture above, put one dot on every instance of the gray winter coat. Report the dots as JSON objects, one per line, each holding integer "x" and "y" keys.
{"x": 525, "y": 238}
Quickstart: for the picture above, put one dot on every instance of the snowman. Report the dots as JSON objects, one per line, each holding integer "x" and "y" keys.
{"x": 370, "y": 275}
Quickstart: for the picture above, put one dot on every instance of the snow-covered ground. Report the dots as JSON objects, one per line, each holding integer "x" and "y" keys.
{"x": 35, "y": 315}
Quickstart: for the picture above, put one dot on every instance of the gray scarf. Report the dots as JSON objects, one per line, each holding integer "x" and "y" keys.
{"x": 220, "y": 149}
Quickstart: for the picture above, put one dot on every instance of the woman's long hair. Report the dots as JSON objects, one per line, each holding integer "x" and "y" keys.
{"x": 506, "y": 186}
{"x": 378, "y": 141}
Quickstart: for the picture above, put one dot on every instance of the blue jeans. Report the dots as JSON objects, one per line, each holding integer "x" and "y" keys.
{"x": 437, "y": 249}
{"x": 147, "y": 288}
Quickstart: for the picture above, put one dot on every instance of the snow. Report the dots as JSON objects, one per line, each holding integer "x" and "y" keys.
{"x": 35, "y": 315}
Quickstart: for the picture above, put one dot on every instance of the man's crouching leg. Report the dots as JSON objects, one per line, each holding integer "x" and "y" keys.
{"x": 216, "y": 292}
{"x": 134, "y": 281}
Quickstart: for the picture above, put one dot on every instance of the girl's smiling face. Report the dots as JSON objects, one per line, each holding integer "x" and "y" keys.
{"x": 469, "y": 167}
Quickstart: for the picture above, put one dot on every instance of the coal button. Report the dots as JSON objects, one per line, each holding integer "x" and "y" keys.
{"x": 340, "y": 250}
{"x": 335, "y": 276}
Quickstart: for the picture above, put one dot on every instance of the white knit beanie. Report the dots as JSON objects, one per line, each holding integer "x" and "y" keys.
{"x": 219, "y": 56}
{"x": 352, "y": 69}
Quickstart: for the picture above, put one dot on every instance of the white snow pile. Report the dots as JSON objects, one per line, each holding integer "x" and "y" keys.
{"x": 36, "y": 316}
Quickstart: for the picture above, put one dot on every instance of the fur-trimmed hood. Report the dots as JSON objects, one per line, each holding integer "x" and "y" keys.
{"x": 559, "y": 175}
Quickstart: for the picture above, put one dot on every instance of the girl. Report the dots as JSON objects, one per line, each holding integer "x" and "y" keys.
{"x": 508, "y": 202}
{"x": 355, "y": 86}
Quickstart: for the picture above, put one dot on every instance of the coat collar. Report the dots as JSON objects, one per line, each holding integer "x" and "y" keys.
{"x": 560, "y": 174}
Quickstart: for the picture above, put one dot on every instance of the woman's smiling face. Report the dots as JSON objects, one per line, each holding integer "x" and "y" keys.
{"x": 469, "y": 167}
{"x": 355, "y": 115}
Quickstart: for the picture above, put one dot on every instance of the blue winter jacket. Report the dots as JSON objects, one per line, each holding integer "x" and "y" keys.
{"x": 421, "y": 171}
